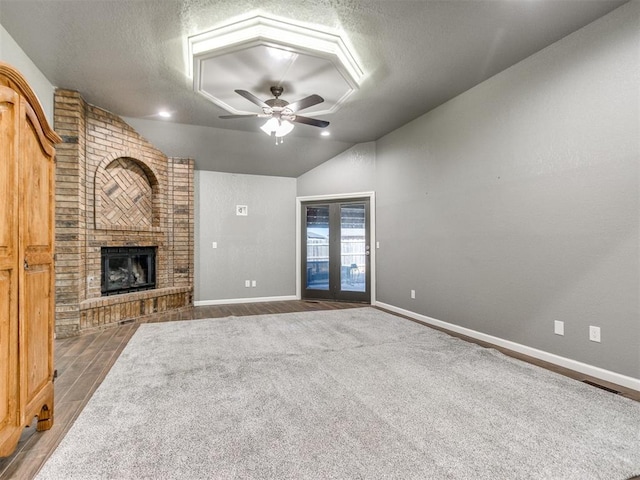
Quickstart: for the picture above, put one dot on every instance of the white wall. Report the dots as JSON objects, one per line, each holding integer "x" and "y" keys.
{"x": 259, "y": 246}
{"x": 12, "y": 54}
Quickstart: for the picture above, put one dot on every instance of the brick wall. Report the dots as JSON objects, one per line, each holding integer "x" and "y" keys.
{"x": 69, "y": 123}
{"x": 113, "y": 188}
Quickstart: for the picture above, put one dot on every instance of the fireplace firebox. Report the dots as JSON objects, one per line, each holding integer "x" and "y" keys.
{"x": 128, "y": 269}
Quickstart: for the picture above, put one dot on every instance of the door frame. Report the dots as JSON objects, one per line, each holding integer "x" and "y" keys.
{"x": 372, "y": 232}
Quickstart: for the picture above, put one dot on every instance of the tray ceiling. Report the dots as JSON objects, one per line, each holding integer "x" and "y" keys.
{"x": 260, "y": 52}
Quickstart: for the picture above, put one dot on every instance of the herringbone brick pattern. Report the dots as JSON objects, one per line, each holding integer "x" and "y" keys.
{"x": 126, "y": 195}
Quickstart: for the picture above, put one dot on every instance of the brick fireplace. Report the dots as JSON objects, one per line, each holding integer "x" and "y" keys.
{"x": 116, "y": 192}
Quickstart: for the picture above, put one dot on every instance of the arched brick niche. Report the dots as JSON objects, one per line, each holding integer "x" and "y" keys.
{"x": 126, "y": 195}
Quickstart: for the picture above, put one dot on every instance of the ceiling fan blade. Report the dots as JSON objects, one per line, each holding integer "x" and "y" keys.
{"x": 253, "y": 115}
{"x": 252, "y": 98}
{"x": 311, "y": 121}
{"x": 307, "y": 102}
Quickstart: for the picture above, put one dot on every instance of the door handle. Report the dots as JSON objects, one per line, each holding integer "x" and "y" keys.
{"x": 26, "y": 264}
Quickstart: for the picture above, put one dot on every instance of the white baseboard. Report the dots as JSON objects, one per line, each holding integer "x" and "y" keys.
{"x": 229, "y": 301}
{"x": 597, "y": 372}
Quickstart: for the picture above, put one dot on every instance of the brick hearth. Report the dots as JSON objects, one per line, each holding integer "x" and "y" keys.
{"x": 113, "y": 188}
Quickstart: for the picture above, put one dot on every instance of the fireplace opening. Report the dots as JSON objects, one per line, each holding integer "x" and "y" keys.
{"x": 128, "y": 269}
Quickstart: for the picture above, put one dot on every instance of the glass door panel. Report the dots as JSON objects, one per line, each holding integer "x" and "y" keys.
{"x": 353, "y": 247}
{"x": 317, "y": 222}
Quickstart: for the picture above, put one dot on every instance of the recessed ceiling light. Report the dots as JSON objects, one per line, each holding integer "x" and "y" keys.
{"x": 164, "y": 114}
{"x": 325, "y": 133}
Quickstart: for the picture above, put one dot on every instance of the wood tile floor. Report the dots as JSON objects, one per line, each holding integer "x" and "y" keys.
{"x": 83, "y": 362}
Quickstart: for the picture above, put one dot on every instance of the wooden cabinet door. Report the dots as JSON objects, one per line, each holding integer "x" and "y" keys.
{"x": 36, "y": 280}
{"x": 10, "y": 427}
{"x": 27, "y": 278}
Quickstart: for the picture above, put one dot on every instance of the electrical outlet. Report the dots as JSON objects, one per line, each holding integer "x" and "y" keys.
{"x": 214, "y": 244}
{"x": 413, "y": 294}
{"x": 247, "y": 283}
{"x": 558, "y": 327}
{"x": 594, "y": 334}
{"x": 253, "y": 283}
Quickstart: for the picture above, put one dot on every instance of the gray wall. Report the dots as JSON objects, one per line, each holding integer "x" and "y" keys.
{"x": 350, "y": 172}
{"x": 12, "y": 54}
{"x": 260, "y": 246}
{"x": 516, "y": 203}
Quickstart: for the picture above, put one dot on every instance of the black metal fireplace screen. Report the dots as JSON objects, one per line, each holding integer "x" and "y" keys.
{"x": 128, "y": 269}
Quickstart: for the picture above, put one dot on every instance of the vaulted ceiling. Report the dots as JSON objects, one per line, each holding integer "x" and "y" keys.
{"x": 131, "y": 58}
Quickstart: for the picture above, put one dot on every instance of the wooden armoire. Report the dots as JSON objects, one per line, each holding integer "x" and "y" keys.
{"x": 26, "y": 260}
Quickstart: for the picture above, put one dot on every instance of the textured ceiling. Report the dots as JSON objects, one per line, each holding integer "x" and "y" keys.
{"x": 130, "y": 57}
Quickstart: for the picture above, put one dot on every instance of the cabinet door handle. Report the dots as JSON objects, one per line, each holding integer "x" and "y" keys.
{"x": 26, "y": 264}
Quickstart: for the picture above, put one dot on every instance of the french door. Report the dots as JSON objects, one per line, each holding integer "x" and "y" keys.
{"x": 336, "y": 250}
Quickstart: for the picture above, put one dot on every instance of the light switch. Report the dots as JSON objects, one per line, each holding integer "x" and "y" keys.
{"x": 214, "y": 244}
{"x": 558, "y": 327}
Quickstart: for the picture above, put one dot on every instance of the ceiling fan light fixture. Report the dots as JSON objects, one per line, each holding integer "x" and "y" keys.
{"x": 274, "y": 127}
{"x": 284, "y": 128}
{"x": 280, "y": 113}
{"x": 270, "y": 126}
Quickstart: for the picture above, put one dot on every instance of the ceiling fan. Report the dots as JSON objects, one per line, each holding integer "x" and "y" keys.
{"x": 280, "y": 113}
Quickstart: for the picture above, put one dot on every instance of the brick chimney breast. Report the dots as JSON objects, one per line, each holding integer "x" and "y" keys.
{"x": 113, "y": 188}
